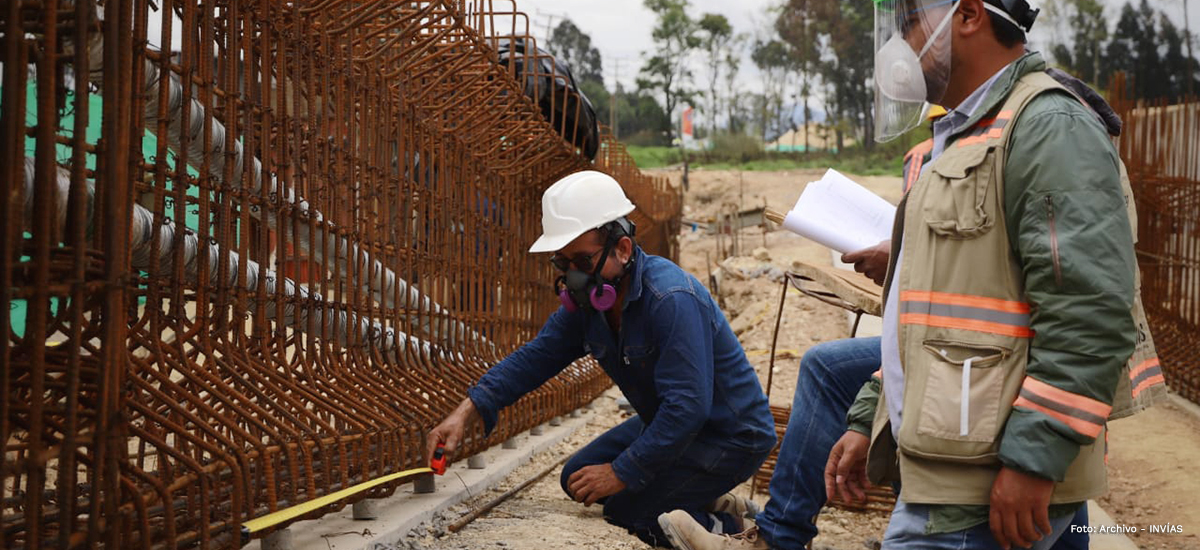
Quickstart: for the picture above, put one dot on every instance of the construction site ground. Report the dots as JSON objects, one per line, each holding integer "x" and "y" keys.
{"x": 1151, "y": 455}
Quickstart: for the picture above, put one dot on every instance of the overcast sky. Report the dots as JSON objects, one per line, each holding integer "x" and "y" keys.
{"x": 621, "y": 28}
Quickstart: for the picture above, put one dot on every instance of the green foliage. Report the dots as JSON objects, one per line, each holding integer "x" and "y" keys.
{"x": 1148, "y": 48}
{"x": 797, "y": 24}
{"x": 715, "y": 42}
{"x": 737, "y": 147}
{"x": 574, "y": 47}
{"x": 849, "y": 32}
{"x": 653, "y": 156}
{"x": 773, "y": 59}
{"x": 1091, "y": 29}
{"x": 667, "y": 72}
{"x": 1175, "y": 60}
{"x": 742, "y": 152}
{"x": 638, "y": 114}
{"x": 853, "y": 161}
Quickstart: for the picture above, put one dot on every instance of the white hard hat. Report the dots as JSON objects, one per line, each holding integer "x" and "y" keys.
{"x": 577, "y": 204}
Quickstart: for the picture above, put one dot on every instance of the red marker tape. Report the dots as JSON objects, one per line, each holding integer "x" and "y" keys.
{"x": 438, "y": 462}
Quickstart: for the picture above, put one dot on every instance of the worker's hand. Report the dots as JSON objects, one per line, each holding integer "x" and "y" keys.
{"x": 847, "y": 467}
{"x": 1020, "y": 508}
{"x": 591, "y": 483}
{"x": 450, "y": 431}
{"x": 872, "y": 261}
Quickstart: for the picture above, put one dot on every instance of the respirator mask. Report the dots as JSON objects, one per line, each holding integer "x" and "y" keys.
{"x": 913, "y": 57}
{"x": 586, "y": 289}
{"x": 912, "y": 61}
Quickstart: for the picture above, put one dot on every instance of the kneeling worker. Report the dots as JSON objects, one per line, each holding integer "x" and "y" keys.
{"x": 702, "y": 424}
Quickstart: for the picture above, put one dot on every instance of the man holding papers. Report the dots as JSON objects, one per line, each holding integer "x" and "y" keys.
{"x": 1009, "y": 302}
{"x": 1010, "y": 308}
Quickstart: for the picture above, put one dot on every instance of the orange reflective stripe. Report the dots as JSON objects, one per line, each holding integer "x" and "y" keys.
{"x": 965, "y": 324}
{"x": 914, "y": 171}
{"x": 994, "y": 133}
{"x": 916, "y": 160}
{"x": 965, "y": 300}
{"x": 1003, "y": 117}
{"x": 1148, "y": 383}
{"x": 986, "y": 129}
{"x": 1143, "y": 367}
{"x": 1066, "y": 398}
{"x": 1145, "y": 375}
{"x": 1082, "y": 426}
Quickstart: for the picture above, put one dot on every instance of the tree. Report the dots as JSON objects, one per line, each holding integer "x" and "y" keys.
{"x": 1134, "y": 50}
{"x": 1177, "y": 65}
{"x": 667, "y": 72}
{"x": 1119, "y": 52}
{"x": 733, "y": 62}
{"x": 1091, "y": 30}
{"x": 598, "y": 95}
{"x": 848, "y": 65}
{"x": 574, "y": 47}
{"x": 1149, "y": 78}
{"x": 772, "y": 58}
{"x": 797, "y": 25}
{"x": 1055, "y": 19}
{"x": 715, "y": 42}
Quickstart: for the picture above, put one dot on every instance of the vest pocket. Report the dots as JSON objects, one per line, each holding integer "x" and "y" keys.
{"x": 959, "y": 412}
{"x": 956, "y": 203}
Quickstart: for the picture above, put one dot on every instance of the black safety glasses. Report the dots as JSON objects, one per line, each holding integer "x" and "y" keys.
{"x": 581, "y": 261}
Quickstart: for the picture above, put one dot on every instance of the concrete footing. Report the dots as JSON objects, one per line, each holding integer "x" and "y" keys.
{"x": 556, "y": 421}
{"x": 477, "y": 462}
{"x": 424, "y": 484}
{"x": 576, "y": 413}
{"x": 409, "y": 506}
{"x": 537, "y": 430}
{"x": 365, "y": 509}
{"x": 279, "y": 540}
{"x": 510, "y": 443}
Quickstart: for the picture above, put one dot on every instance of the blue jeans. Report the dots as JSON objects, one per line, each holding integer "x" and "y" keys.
{"x": 831, "y": 373}
{"x": 700, "y": 474}
{"x": 906, "y": 531}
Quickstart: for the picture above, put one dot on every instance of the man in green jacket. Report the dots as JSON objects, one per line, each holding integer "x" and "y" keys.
{"x": 1009, "y": 300}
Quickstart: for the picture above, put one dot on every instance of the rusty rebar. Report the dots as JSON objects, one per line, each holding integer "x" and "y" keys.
{"x": 186, "y": 351}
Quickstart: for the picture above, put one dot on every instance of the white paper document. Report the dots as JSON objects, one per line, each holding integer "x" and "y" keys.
{"x": 841, "y": 214}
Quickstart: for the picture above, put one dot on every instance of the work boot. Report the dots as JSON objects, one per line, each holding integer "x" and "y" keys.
{"x": 735, "y": 506}
{"x": 686, "y": 534}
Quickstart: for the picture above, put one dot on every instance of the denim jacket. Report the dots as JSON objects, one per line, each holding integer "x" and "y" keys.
{"x": 675, "y": 359}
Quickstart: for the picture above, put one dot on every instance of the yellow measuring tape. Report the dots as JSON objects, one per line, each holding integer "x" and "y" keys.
{"x": 292, "y": 512}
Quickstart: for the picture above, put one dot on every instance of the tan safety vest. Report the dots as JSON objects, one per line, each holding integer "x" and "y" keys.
{"x": 964, "y": 332}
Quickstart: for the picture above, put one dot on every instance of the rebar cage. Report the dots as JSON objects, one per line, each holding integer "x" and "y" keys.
{"x": 1160, "y": 144}
{"x": 252, "y": 250}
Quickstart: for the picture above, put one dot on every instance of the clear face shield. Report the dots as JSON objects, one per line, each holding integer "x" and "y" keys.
{"x": 912, "y": 61}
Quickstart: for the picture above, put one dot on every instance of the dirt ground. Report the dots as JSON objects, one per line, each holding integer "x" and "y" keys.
{"x": 1152, "y": 475}
{"x": 1150, "y": 453}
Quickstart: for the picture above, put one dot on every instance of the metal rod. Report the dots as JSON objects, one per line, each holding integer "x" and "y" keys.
{"x": 486, "y": 507}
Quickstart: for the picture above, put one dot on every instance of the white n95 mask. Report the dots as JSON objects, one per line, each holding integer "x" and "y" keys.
{"x": 904, "y": 86}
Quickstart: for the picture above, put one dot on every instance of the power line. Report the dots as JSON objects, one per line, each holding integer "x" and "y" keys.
{"x": 549, "y": 18}
{"x": 613, "y": 117}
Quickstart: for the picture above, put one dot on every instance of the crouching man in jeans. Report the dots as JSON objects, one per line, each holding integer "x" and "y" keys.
{"x": 702, "y": 425}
